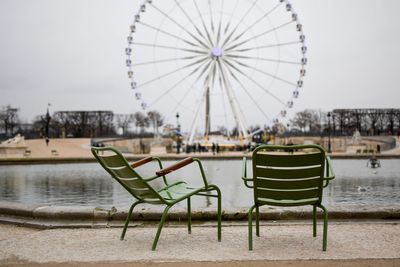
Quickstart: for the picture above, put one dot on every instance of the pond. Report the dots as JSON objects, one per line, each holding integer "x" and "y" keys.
{"x": 89, "y": 185}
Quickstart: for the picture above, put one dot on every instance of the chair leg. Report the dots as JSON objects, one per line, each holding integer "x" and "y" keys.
{"x": 250, "y": 217}
{"x": 257, "y": 221}
{"x": 160, "y": 226}
{"x": 219, "y": 211}
{"x": 314, "y": 221}
{"x": 189, "y": 216}
{"x": 128, "y": 218}
{"x": 325, "y": 235}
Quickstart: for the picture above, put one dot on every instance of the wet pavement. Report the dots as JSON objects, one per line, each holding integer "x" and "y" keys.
{"x": 280, "y": 241}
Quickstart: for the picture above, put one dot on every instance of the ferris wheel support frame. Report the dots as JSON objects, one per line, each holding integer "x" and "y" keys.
{"x": 236, "y": 110}
{"x": 207, "y": 80}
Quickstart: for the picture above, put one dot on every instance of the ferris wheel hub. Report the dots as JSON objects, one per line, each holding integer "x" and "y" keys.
{"x": 216, "y": 51}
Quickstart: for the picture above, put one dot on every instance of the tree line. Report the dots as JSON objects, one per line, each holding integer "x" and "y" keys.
{"x": 103, "y": 123}
{"x": 346, "y": 121}
{"x": 62, "y": 124}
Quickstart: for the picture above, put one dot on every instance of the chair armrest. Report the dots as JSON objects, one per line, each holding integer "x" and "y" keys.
{"x": 203, "y": 175}
{"x": 175, "y": 166}
{"x": 147, "y": 160}
{"x": 141, "y": 162}
{"x": 330, "y": 175}
{"x": 244, "y": 174}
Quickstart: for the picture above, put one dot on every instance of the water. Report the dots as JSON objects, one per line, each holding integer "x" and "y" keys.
{"x": 89, "y": 185}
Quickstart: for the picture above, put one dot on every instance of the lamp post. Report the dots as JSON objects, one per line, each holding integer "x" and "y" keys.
{"x": 287, "y": 133}
{"x": 47, "y": 120}
{"x": 329, "y": 132}
{"x": 178, "y": 138}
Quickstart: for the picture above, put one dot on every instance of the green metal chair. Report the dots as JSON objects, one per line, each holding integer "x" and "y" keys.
{"x": 140, "y": 188}
{"x": 288, "y": 176}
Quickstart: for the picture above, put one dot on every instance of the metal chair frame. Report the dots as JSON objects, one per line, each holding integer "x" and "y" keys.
{"x": 284, "y": 177}
{"x": 140, "y": 188}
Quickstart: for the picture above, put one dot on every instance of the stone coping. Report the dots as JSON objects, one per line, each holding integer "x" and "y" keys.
{"x": 63, "y": 160}
{"x": 69, "y": 216}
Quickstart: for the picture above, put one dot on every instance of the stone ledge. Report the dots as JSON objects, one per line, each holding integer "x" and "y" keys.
{"x": 62, "y": 216}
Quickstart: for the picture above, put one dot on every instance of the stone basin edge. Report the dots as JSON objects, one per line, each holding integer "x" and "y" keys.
{"x": 74, "y": 160}
{"x": 80, "y": 216}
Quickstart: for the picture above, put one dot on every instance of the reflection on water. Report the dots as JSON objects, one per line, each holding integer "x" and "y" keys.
{"x": 89, "y": 185}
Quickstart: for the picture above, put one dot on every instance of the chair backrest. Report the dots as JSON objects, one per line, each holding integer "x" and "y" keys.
{"x": 117, "y": 166}
{"x": 288, "y": 175}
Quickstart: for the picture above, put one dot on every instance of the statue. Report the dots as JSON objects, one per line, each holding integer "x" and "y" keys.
{"x": 356, "y": 139}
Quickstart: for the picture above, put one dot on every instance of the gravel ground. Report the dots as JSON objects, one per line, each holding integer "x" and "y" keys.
{"x": 348, "y": 242}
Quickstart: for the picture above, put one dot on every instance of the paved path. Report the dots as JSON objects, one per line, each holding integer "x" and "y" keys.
{"x": 360, "y": 242}
{"x": 78, "y": 149}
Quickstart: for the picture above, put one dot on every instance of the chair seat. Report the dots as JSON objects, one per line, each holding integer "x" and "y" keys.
{"x": 178, "y": 191}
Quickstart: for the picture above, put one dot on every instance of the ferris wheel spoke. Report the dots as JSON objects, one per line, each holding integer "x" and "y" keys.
{"x": 210, "y": 85}
{"x": 165, "y": 60}
{"x": 265, "y": 59}
{"x": 223, "y": 100}
{"x": 265, "y": 73}
{"x": 239, "y": 23}
{"x": 220, "y": 25}
{"x": 179, "y": 25}
{"x": 230, "y": 19}
{"x": 203, "y": 23}
{"x": 172, "y": 72}
{"x": 219, "y": 34}
{"x": 188, "y": 90}
{"x": 213, "y": 74}
{"x": 175, "y": 85}
{"x": 170, "y": 47}
{"x": 255, "y": 82}
{"x": 247, "y": 92}
{"x": 203, "y": 71}
{"x": 259, "y": 35}
{"x": 192, "y": 22}
{"x": 201, "y": 101}
{"x": 255, "y": 23}
{"x": 263, "y": 46}
{"x": 228, "y": 38}
{"x": 172, "y": 35}
{"x": 236, "y": 109}
{"x": 211, "y": 17}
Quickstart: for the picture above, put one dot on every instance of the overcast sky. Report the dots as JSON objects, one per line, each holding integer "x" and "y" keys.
{"x": 70, "y": 53}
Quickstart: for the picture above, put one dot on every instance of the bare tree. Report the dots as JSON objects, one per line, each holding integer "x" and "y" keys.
{"x": 123, "y": 121}
{"x": 9, "y": 120}
{"x": 141, "y": 121}
{"x": 85, "y": 123}
{"x": 368, "y": 121}
{"x": 301, "y": 120}
{"x": 391, "y": 116}
{"x": 156, "y": 120}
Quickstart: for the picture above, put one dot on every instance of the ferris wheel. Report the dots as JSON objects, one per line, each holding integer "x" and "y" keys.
{"x": 219, "y": 63}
